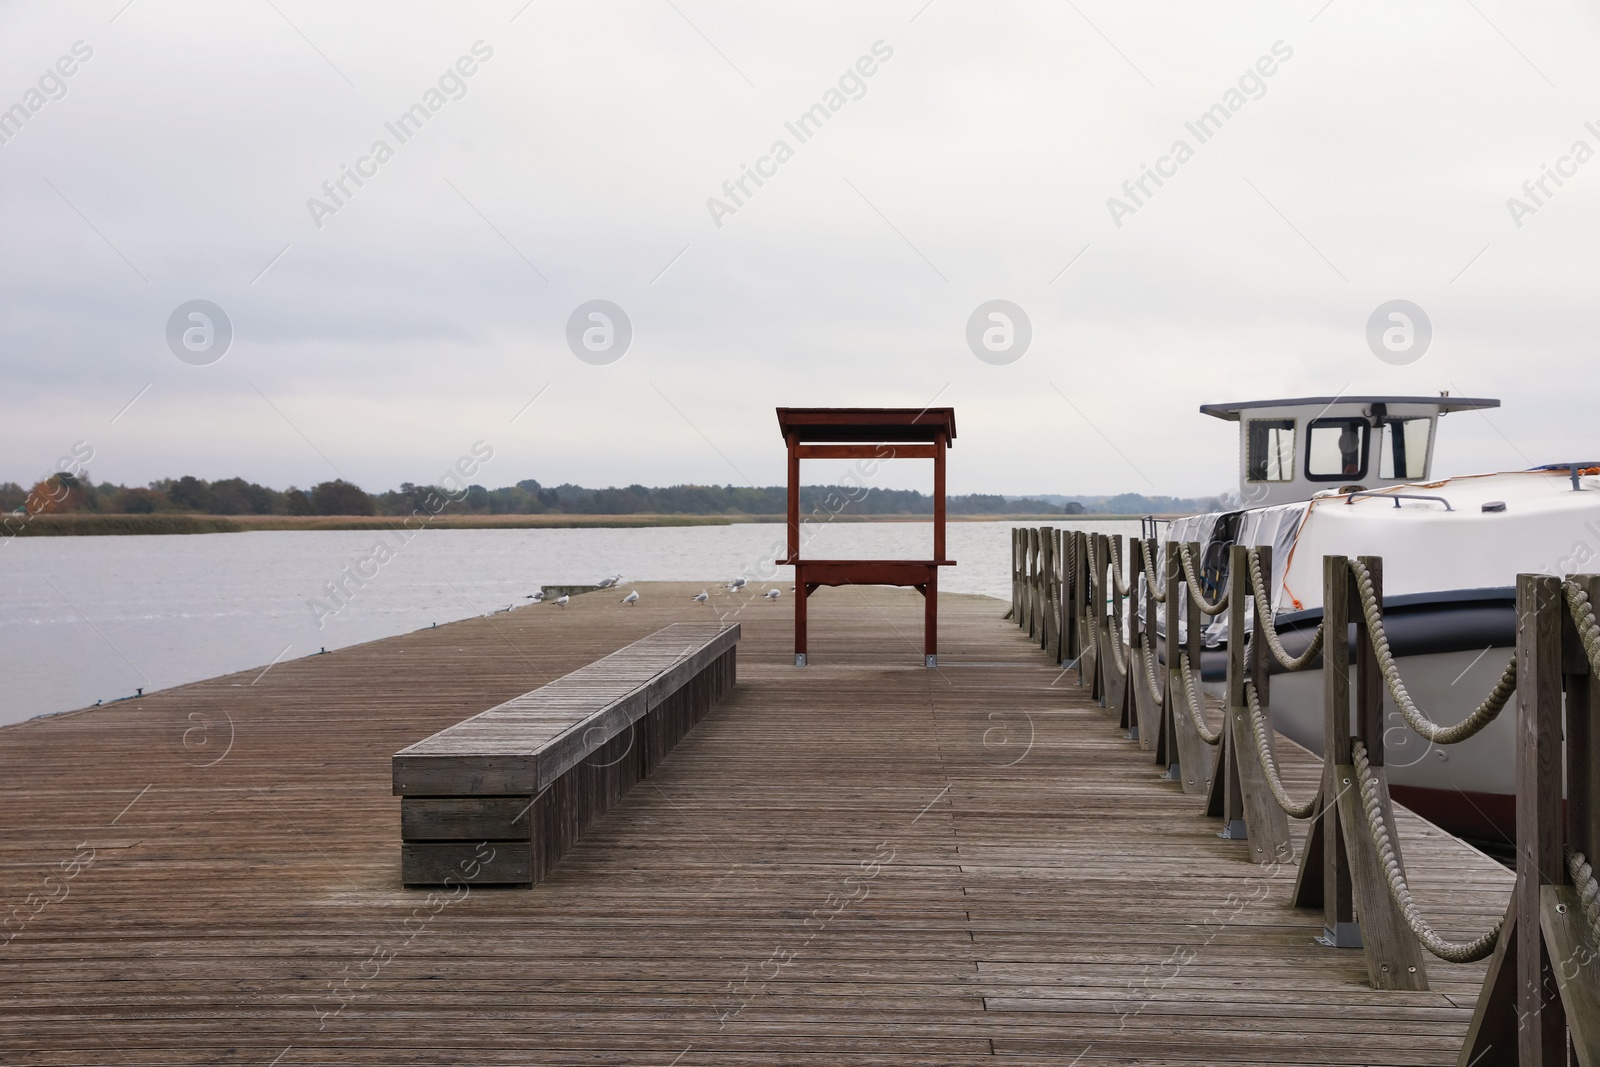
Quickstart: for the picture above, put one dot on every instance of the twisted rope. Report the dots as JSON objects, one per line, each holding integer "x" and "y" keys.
{"x": 1117, "y": 657}
{"x": 1206, "y": 607}
{"x": 1481, "y": 716}
{"x": 1192, "y": 703}
{"x": 1583, "y": 618}
{"x": 1588, "y": 892}
{"x": 1453, "y": 951}
{"x": 1119, "y": 584}
{"x": 1258, "y": 725}
{"x": 1149, "y": 656}
{"x": 1268, "y": 624}
{"x": 1158, "y": 590}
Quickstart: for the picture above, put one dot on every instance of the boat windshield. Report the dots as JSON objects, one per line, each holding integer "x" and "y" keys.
{"x": 1403, "y": 449}
{"x": 1337, "y": 449}
{"x": 1271, "y": 455}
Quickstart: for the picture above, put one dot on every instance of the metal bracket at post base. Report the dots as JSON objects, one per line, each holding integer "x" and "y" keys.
{"x": 930, "y": 661}
{"x": 1234, "y": 831}
{"x": 1174, "y": 773}
{"x": 1132, "y": 734}
{"x": 799, "y": 659}
{"x": 1341, "y": 935}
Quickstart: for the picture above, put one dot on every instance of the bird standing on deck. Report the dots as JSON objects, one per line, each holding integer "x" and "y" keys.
{"x": 561, "y": 601}
{"x": 631, "y": 598}
{"x": 701, "y": 597}
{"x": 537, "y": 598}
{"x": 607, "y": 583}
{"x": 773, "y": 594}
{"x": 736, "y": 585}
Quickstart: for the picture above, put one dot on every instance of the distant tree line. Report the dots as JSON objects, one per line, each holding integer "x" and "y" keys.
{"x": 68, "y": 492}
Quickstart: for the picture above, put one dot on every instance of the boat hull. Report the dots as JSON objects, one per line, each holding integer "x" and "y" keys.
{"x": 1468, "y": 788}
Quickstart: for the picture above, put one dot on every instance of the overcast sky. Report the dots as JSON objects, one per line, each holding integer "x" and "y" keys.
{"x": 380, "y": 335}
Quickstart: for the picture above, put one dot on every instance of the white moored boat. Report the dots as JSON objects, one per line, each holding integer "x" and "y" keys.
{"x": 1350, "y": 476}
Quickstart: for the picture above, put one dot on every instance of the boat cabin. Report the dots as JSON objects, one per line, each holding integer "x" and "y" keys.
{"x": 1290, "y": 450}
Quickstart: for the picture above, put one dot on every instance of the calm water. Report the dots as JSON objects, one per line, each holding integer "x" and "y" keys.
{"x": 94, "y": 618}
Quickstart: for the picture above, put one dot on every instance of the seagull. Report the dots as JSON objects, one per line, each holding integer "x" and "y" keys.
{"x": 631, "y": 598}
{"x": 736, "y": 585}
{"x": 537, "y": 598}
{"x": 607, "y": 583}
{"x": 700, "y": 597}
{"x": 561, "y": 601}
{"x": 773, "y": 594}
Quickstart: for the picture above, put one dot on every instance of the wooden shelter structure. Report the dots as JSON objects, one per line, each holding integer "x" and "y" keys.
{"x": 869, "y": 435}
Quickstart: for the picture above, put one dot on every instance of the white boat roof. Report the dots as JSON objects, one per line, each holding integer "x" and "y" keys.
{"x": 1442, "y": 404}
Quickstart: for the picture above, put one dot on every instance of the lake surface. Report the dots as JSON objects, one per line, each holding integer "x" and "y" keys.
{"x": 84, "y": 619}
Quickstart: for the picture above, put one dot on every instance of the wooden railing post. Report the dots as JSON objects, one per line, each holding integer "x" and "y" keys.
{"x": 1041, "y": 547}
{"x": 1541, "y": 1038}
{"x": 1072, "y": 564}
{"x": 1393, "y": 953}
{"x": 1226, "y": 799}
{"x": 1324, "y": 879}
{"x": 1168, "y": 752}
{"x": 1047, "y": 585}
{"x": 1198, "y": 758}
{"x": 1060, "y": 577}
{"x": 1542, "y": 990}
{"x": 1266, "y": 824}
{"x": 1115, "y": 683}
{"x": 1088, "y": 626}
{"x": 1016, "y": 579}
{"x": 1142, "y": 635}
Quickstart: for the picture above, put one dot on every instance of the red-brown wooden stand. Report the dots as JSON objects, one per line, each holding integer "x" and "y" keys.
{"x": 869, "y": 436}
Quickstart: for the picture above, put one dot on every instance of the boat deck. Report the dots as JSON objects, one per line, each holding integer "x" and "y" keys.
{"x": 860, "y": 862}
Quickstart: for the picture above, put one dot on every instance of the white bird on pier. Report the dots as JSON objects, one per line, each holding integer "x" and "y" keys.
{"x": 607, "y": 583}
{"x": 701, "y": 597}
{"x": 773, "y": 594}
{"x": 736, "y": 585}
{"x": 561, "y": 601}
{"x": 537, "y": 598}
{"x": 631, "y": 598}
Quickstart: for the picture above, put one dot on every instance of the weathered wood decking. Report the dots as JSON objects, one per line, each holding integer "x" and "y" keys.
{"x": 863, "y": 861}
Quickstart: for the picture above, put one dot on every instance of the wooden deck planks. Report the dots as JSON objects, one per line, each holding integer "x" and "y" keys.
{"x": 862, "y": 861}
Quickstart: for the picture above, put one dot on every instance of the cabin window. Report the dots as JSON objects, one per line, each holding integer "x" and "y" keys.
{"x": 1271, "y": 452}
{"x": 1337, "y": 449}
{"x": 1403, "y": 449}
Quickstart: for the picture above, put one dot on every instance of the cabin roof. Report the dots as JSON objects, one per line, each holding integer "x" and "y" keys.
{"x": 868, "y": 425}
{"x": 1443, "y": 404}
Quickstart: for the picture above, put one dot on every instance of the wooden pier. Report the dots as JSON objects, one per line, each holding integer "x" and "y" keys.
{"x": 861, "y": 862}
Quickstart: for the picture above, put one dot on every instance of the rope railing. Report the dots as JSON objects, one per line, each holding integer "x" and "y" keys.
{"x": 1372, "y": 803}
{"x": 1158, "y": 592}
{"x": 1481, "y": 716}
{"x": 1361, "y": 883}
{"x": 1191, "y": 703}
{"x": 1582, "y": 875}
{"x": 1268, "y": 623}
{"x": 1258, "y": 729}
{"x": 1583, "y": 619}
{"x": 1148, "y": 655}
{"x": 1207, "y": 607}
{"x": 1119, "y": 584}
{"x": 1117, "y": 656}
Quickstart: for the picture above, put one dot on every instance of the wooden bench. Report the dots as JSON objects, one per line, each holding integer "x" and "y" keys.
{"x": 531, "y": 776}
